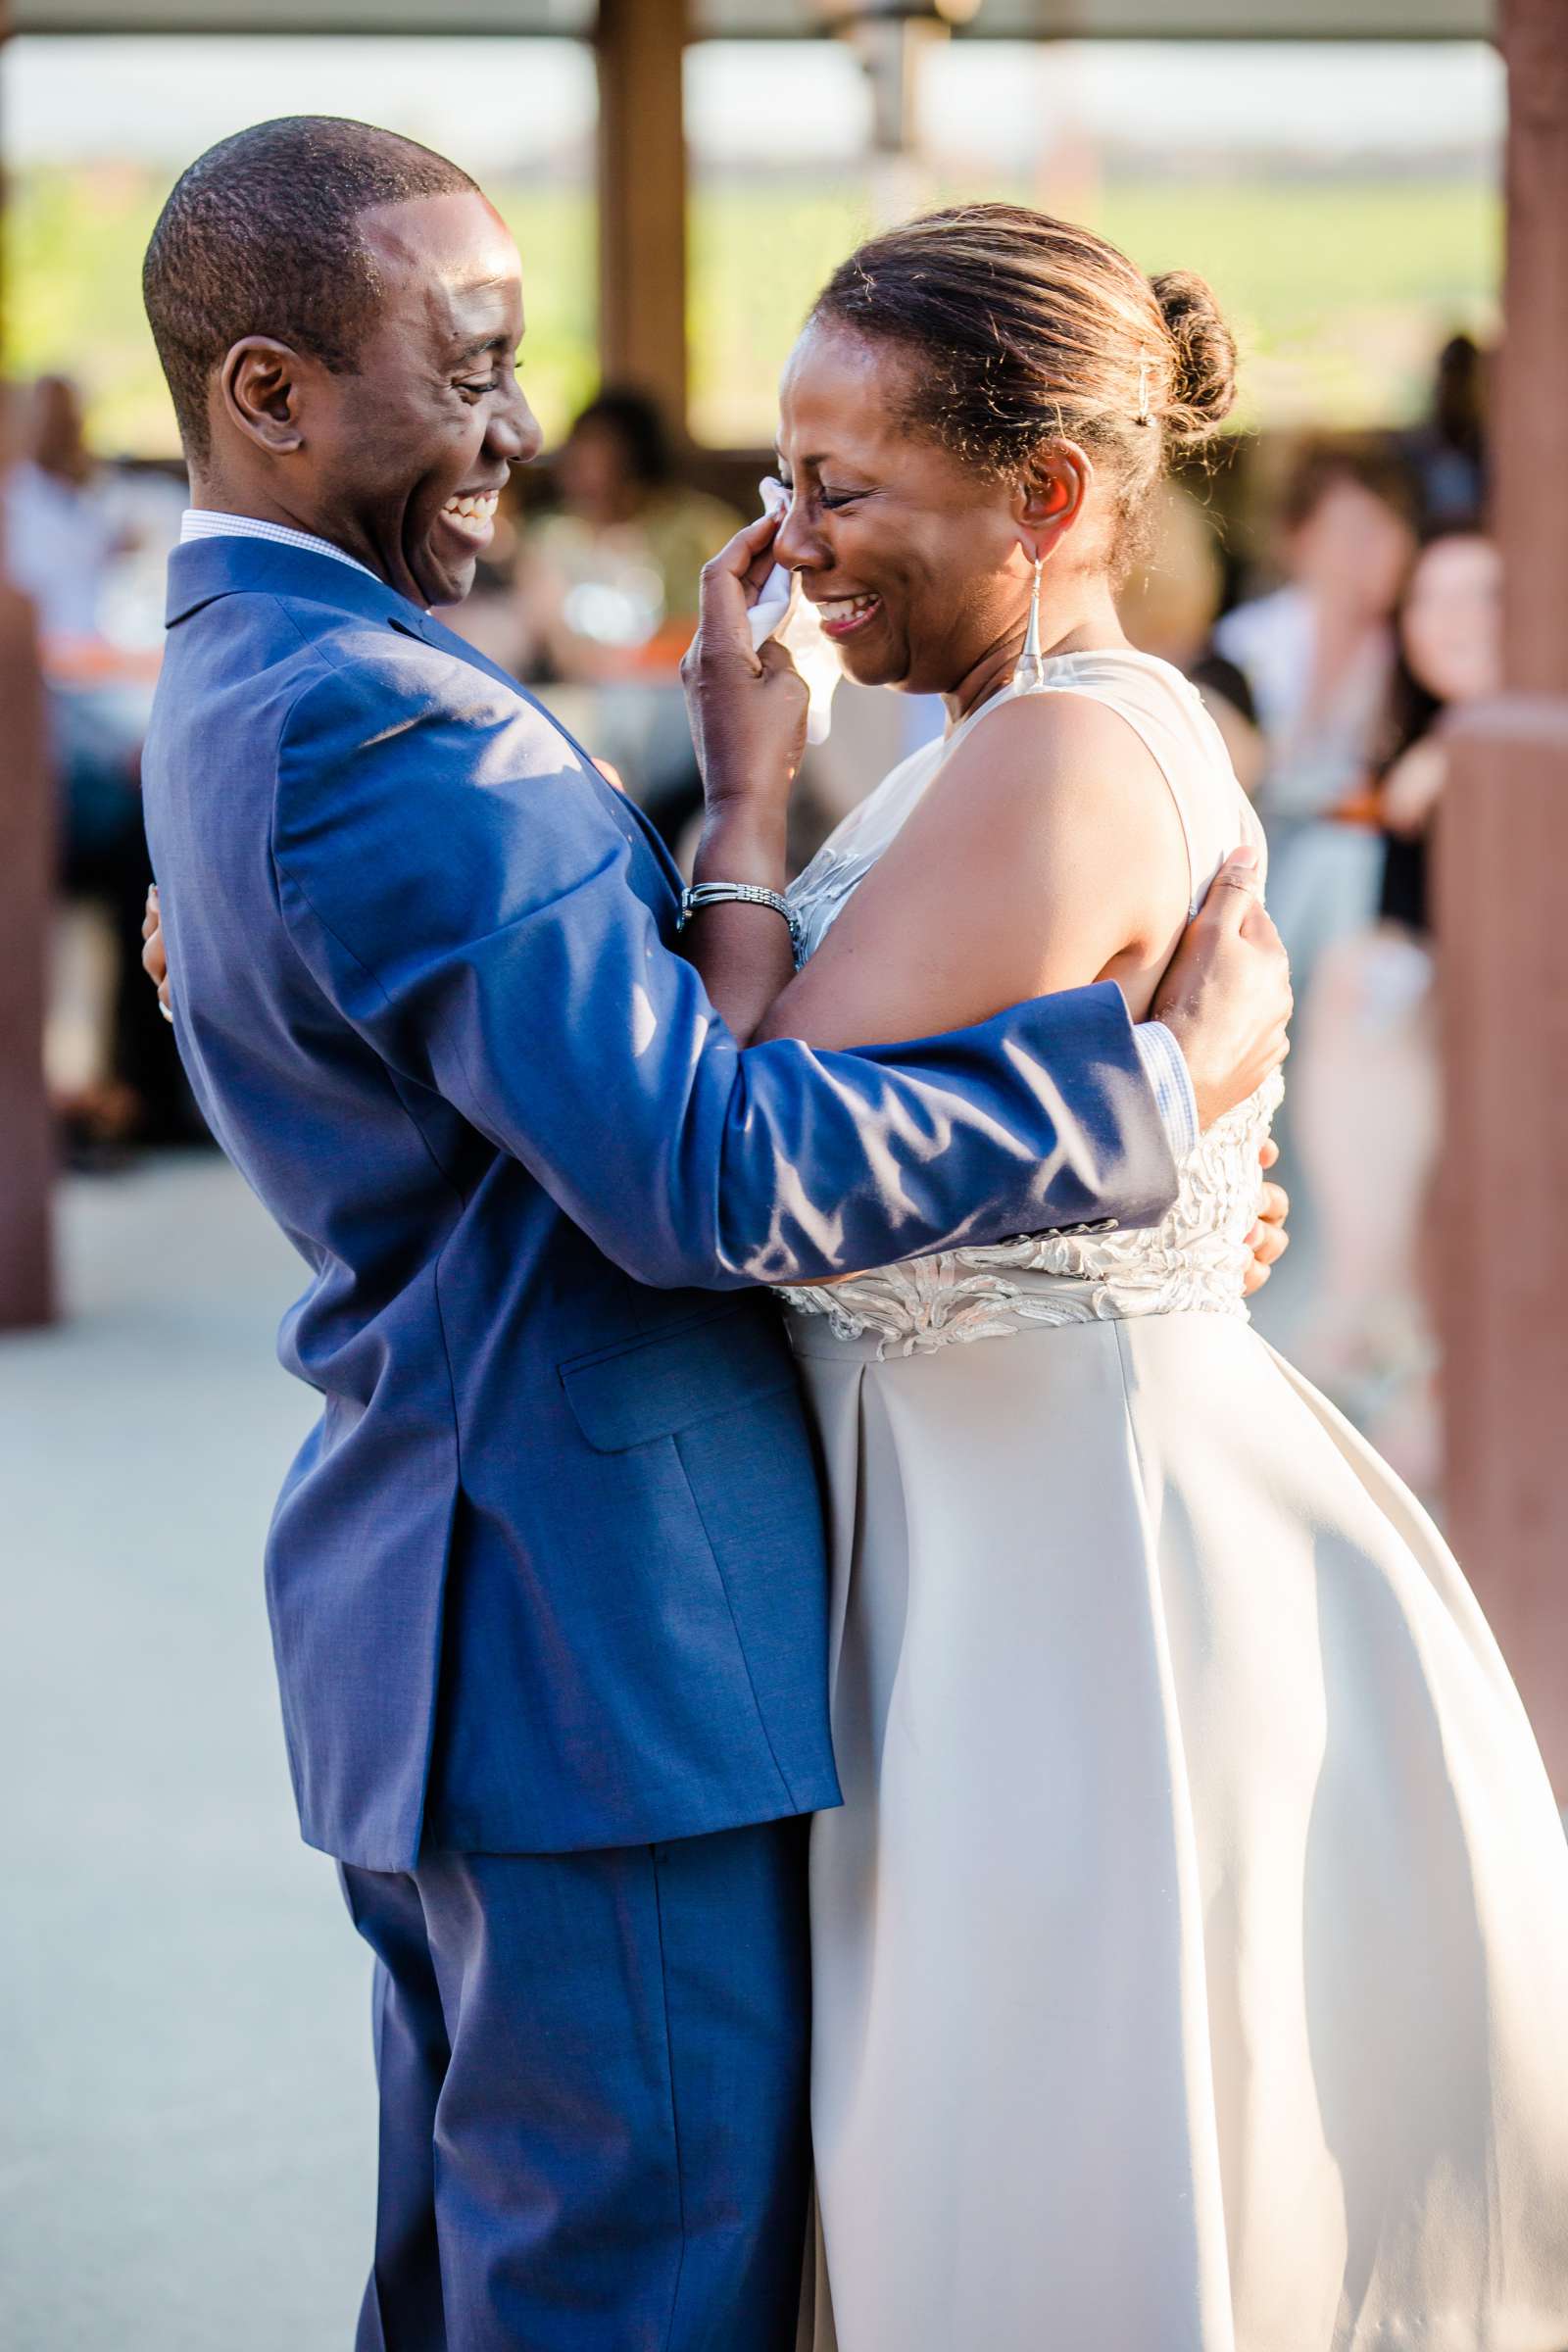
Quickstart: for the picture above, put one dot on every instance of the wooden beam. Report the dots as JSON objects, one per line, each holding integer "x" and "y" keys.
{"x": 787, "y": 20}
{"x": 1502, "y": 870}
{"x": 639, "y": 48}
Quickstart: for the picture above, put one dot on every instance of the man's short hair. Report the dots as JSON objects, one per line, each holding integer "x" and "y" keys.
{"x": 261, "y": 237}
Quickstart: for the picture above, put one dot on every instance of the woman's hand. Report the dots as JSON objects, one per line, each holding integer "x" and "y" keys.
{"x": 1268, "y": 1239}
{"x": 746, "y": 706}
{"x": 154, "y": 960}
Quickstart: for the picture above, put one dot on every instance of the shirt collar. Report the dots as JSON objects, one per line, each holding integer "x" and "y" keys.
{"x": 203, "y": 523}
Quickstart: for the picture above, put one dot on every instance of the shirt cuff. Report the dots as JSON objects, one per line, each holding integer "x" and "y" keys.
{"x": 1165, "y": 1068}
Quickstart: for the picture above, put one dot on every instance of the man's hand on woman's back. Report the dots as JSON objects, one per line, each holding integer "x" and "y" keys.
{"x": 1226, "y": 995}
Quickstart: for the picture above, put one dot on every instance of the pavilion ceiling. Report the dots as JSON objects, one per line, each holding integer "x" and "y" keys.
{"x": 1002, "y": 20}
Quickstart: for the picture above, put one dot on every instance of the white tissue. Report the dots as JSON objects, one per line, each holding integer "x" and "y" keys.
{"x": 782, "y": 611}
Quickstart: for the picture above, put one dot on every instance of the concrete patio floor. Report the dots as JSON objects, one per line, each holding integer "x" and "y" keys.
{"x": 187, "y": 2149}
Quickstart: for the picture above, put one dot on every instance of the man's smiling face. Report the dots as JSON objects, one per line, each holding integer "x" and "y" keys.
{"x": 409, "y": 454}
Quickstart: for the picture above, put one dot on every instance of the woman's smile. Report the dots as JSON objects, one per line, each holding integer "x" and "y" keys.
{"x": 846, "y": 615}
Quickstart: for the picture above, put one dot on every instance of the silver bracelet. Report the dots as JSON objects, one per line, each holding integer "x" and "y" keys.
{"x": 699, "y": 895}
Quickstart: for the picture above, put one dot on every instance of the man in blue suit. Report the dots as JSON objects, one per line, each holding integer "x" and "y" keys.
{"x": 546, "y": 1581}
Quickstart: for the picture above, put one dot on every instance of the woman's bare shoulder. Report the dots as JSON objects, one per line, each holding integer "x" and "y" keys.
{"x": 1055, "y": 742}
{"x": 1061, "y": 782}
{"x": 1045, "y": 852}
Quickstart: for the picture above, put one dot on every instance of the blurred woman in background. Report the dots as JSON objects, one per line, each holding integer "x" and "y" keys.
{"x": 1168, "y": 607}
{"x": 604, "y": 600}
{"x": 1318, "y": 654}
{"x": 608, "y": 585}
{"x": 1367, "y": 1058}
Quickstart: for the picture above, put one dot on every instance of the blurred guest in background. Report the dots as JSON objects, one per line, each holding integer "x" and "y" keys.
{"x": 610, "y": 584}
{"x": 605, "y": 599}
{"x": 60, "y": 528}
{"x": 68, "y": 533}
{"x": 1366, "y": 1091}
{"x": 1168, "y": 607}
{"x": 1447, "y": 454}
{"x": 1318, "y": 654}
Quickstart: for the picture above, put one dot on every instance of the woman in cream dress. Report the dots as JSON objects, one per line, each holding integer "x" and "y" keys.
{"x": 1191, "y": 1952}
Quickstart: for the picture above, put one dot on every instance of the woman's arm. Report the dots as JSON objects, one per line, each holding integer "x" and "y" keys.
{"x": 744, "y": 954}
{"x": 1047, "y": 855}
{"x": 748, "y": 719}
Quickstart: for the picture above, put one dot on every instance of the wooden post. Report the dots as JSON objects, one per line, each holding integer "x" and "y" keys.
{"x": 1502, "y": 899}
{"x": 642, "y": 199}
{"x": 27, "y": 862}
{"x": 26, "y": 867}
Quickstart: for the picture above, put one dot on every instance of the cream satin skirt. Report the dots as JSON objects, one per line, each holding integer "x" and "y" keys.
{"x": 1192, "y": 1949}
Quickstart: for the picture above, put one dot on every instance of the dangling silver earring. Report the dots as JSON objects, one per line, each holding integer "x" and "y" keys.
{"x": 1030, "y": 674}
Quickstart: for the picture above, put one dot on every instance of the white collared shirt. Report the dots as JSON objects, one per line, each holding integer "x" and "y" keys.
{"x": 202, "y": 522}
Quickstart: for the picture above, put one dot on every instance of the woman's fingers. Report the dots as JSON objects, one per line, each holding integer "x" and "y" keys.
{"x": 1268, "y": 1239}
{"x": 154, "y": 961}
{"x": 774, "y": 657}
{"x": 746, "y": 558}
{"x": 731, "y": 581}
{"x": 1260, "y": 1266}
{"x": 1274, "y": 1206}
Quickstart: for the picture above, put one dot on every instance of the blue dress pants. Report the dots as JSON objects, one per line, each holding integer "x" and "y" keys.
{"x": 593, "y": 2074}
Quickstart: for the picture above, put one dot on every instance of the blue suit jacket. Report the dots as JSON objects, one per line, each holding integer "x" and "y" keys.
{"x": 548, "y": 1574}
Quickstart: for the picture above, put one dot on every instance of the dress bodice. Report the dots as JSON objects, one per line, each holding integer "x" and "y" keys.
{"x": 1197, "y": 1258}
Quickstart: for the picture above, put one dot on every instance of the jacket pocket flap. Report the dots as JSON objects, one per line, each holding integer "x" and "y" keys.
{"x": 653, "y": 1386}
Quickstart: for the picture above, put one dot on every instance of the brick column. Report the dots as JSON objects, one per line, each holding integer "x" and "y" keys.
{"x": 1502, "y": 907}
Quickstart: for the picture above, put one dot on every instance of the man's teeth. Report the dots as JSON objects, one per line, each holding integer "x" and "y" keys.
{"x": 845, "y": 607}
{"x": 481, "y": 508}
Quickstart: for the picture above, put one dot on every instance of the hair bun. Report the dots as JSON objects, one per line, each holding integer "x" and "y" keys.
{"x": 1202, "y": 391}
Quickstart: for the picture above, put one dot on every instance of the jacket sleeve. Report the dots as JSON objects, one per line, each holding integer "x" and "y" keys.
{"x": 462, "y": 893}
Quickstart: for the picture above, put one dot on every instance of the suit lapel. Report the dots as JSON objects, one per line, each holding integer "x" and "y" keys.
{"x": 204, "y": 569}
{"x": 434, "y": 632}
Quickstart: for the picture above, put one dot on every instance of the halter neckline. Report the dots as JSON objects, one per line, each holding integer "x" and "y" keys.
{"x": 1089, "y": 652}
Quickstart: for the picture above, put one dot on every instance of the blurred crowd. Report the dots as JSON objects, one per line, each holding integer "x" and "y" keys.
{"x": 1330, "y": 600}
{"x": 89, "y": 544}
{"x": 1383, "y": 614}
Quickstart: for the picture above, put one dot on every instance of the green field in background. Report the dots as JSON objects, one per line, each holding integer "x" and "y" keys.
{"x": 72, "y": 249}
{"x": 1340, "y": 290}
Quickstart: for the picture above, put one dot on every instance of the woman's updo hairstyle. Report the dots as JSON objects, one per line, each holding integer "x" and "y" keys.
{"x": 1023, "y": 330}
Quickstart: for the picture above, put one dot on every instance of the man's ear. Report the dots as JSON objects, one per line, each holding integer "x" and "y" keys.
{"x": 1052, "y": 496}
{"x": 262, "y": 387}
